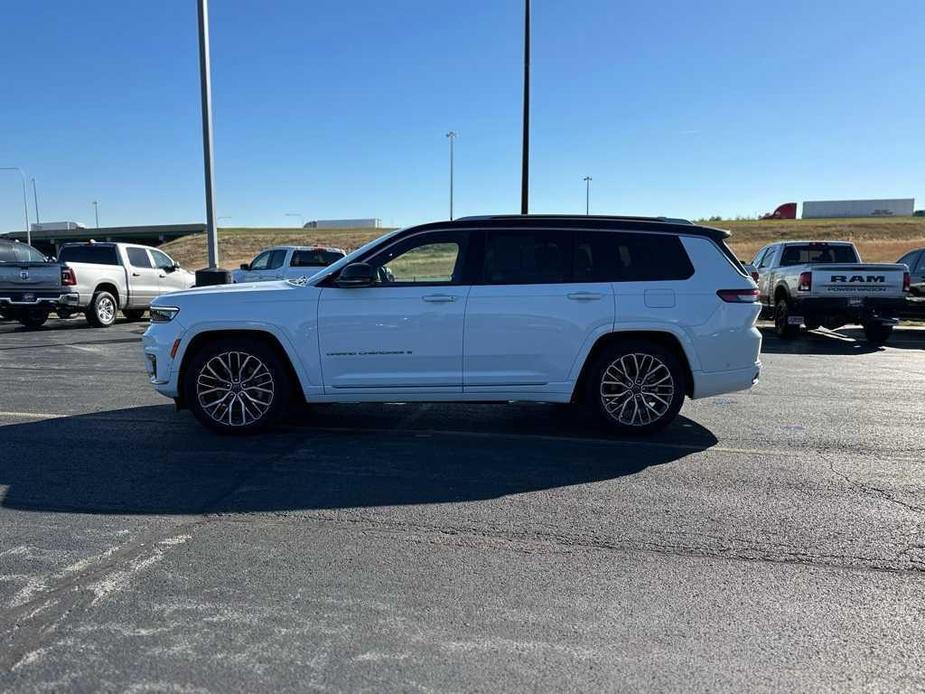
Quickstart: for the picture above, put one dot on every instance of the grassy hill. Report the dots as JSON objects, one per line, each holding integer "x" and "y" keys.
{"x": 879, "y": 239}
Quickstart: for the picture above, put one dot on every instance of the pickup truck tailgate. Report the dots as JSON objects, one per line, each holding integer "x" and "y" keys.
{"x": 26, "y": 277}
{"x": 858, "y": 280}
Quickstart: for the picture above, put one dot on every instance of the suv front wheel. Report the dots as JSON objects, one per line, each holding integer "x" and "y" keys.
{"x": 637, "y": 387}
{"x": 236, "y": 386}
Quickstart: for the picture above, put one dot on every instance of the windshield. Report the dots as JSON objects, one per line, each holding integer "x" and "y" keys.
{"x": 353, "y": 255}
{"x": 818, "y": 253}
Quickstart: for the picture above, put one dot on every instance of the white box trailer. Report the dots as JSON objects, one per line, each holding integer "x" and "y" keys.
{"x": 56, "y": 226}
{"x": 369, "y": 223}
{"x": 898, "y": 207}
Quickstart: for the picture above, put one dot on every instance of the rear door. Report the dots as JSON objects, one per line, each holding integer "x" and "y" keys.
{"x": 142, "y": 276}
{"x": 532, "y": 312}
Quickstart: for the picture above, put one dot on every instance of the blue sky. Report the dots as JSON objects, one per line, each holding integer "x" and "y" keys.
{"x": 339, "y": 109}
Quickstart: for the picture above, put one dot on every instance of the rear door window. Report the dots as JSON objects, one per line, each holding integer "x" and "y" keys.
{"x": 630, "y": 257}
{"x": 527, "y": 257}
{"x": 98, "y": 255}
{"x": 314, "y": 258}
{"x": 138, "y": 257}
{"x": 276, "y": 260}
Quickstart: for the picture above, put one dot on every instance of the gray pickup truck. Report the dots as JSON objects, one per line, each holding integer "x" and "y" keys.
{"x": 31, "y": 285}
{"x": 110, "y": 277}
{"x": 824, "y": 283}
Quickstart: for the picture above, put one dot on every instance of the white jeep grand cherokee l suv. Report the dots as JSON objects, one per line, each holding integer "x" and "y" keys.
{"x": 626, "y": 315}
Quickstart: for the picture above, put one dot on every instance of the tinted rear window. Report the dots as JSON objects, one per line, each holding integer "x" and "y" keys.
{"x": 817, "y": 253}
{"x": 629, "y": 257}
{"x": 98, "y": 255}
{"x": 527, "y": 257}
{"x": 314, "y": 258}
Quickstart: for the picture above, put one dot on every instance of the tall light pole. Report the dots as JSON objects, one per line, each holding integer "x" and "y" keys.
{"x": 35, "y": 197}
{"x": 525, "y": 163}
{"x": 25, "y": 204}
{"x": 587, "y": 180}
{"x": 296, "y": 214}
{"x": 451, "y": 136}
{"x": 205, "y": 84}
{"x": 96, "y": 213}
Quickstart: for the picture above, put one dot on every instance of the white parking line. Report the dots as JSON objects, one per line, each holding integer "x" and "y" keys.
{"x": 32, "y": 415}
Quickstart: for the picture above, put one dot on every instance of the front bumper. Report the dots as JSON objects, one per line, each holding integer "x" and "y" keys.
{"x": 160, "y": 345}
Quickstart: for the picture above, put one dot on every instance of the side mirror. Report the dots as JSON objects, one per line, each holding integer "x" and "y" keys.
{"x": 245, "y": 266}
{"x": 171, "y": 268}
{"x": 355, "y": 275}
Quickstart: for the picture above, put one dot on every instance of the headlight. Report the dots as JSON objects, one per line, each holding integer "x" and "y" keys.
{"x": 163, "y": 314}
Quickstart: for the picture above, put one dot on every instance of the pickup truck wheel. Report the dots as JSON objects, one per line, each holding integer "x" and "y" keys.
{"x": 782, "y": 327}
{"x": 34, "y": 318}
{"x": 877, "y": 333}
{"x": 637, "y": 387}
{"x": 236, "y": 386}
{"x": 133, "y": 314}
{"x": 102, "y": 310}
{"x": 64, "y": 314}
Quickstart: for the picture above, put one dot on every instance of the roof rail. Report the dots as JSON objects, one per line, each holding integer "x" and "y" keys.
{"x": 631, "y": 218}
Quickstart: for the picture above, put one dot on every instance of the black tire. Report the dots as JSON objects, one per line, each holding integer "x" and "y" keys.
{"x": 209, "y": 383}
{"x": 877, "y": 333}
{"x": 102, "y": 310}
{"x": 782, "y": 327}
{"x": 64, "y": 314}
{"x": 653, "y": 383}
{"x": 133, "y": 314}
{"x": 33, "y": 318}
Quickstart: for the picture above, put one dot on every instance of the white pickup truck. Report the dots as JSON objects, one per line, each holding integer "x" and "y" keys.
{"x": 824, "y": 283}
{"x": 109, "y": 277}
{"x": 287, "y": 263}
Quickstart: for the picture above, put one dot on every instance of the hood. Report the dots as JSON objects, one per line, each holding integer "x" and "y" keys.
{"x": 262, "y": 291}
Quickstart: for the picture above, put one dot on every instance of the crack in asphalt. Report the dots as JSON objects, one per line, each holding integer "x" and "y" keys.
{"x": 884, "y": 494}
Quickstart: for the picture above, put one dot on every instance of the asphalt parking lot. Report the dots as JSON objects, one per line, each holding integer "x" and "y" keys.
{"x": 770, "y": 540}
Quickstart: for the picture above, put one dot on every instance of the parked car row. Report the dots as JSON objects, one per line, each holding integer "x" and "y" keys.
{"x": 96, "y": 279}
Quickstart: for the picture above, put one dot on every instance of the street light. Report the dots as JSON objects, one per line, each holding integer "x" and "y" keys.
{"x": 587, "y": 180}
{"x": 35, "y": 196}
{"x": 296, "y": 214}
{"x": 451, "y": 136}
{"x": 525, "y": 162}
{"x": 96, "y": 213}
{"x": 205, "y": 88}
{"x": 25, "y": 204}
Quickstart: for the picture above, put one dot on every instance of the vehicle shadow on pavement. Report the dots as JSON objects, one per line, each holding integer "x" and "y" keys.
{"x": 57, "y": 325}
{"x": 151, "y": 460}
{"x": 845, "y": 341}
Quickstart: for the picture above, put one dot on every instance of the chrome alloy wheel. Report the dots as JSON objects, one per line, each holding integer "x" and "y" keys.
{"x": 637, "y": 389}
{"x": 106, "y": 309}
{"x": 235, "y": 388}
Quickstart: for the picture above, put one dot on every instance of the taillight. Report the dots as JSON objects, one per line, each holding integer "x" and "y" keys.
{"x": 907, "y": 281}
{"x": 738, "y": 296}
{"x": 806, "y": 282}
{"x": 68, "y": 277}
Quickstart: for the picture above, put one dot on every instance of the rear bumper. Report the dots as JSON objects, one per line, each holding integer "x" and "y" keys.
{"x": 707, "y": 383}
{"x": 39, "y": 299}
{"x": 867, "y": 306}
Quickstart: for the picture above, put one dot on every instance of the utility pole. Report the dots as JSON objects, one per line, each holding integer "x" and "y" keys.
{"x": 205, "y": 83}
{"x": 587, "y": 180}
{"x": 451, "y": 136}
{"x": 96, "y": 213}
{"x": 25, "y": 204}
{"x": 35, "y": 197}
{"x": 525, "y": 164}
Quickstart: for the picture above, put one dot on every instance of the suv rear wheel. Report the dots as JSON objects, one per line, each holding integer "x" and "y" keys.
{"x": 102, "y": 310}
{"x": 637, "y": 387}
{"x": 236, "y": 385}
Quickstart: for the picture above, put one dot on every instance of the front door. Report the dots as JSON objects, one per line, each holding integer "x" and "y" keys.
{"x": 169, "y": 278}
{"x": 404, "y": 333}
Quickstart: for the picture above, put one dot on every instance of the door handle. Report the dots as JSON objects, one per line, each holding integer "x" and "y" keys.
{"x": 439, "y": 298}
{"x": 584, "y": 296}
{"x": 136, "y": 274}
{"x": 162, "y": 276}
